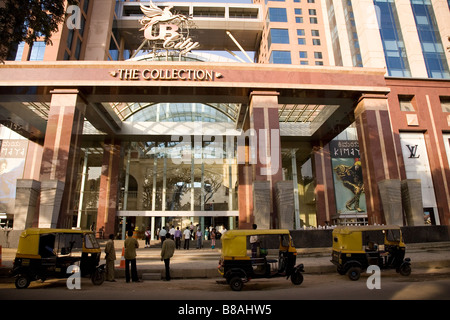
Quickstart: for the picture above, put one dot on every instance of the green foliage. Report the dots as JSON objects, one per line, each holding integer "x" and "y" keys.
{"x": 28, "y": 20}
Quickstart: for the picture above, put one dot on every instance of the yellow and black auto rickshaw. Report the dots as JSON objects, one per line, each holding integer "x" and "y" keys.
{"x": 246, "y": 254}
{"x": 47, "y": 253}
{"x": 357, "y": 247}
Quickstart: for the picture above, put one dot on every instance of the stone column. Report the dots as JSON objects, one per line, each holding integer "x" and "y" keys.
{"x": 27, "y": 200}
{"x": 379, "y": 160}
{"x": 60, "y": 158}
{"x": 324, "y": 189}
{"x": 267, "y": 167}
{"x": 109, "y": 187}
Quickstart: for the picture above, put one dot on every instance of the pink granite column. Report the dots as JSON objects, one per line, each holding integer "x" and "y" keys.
{"x": 109, "y": 184}
{"x": 267, "y": 167}
{"x": 60, "y": 158}
{"x": 379, "y": 163}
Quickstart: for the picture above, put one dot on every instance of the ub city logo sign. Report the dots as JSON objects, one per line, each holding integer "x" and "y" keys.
{"x": 166, "y": 30}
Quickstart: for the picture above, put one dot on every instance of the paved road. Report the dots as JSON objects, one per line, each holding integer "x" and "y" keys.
{"x": 420, "y": 285}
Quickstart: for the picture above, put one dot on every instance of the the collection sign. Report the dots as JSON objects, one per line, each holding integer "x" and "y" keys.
{"x": 183, "y": 74}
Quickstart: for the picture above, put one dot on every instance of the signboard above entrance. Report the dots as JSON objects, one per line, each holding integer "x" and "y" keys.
{"x": 166, "y": 74}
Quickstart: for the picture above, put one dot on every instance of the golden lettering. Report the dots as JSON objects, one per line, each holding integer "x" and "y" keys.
{"x": 180, "y": 72}
{"x": 167, "y": 74}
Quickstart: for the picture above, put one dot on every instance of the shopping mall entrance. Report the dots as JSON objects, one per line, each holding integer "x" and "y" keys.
{"x": 159, "y": 142}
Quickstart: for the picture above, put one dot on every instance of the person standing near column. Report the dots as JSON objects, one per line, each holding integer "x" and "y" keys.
{"x": 187, "y": 238}
{"x": 131, "y": 244}
{"x": 110, "y": 257}
{"x": 168, "y": 248}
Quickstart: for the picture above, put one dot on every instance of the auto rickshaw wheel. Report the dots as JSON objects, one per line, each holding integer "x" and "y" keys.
{"x": 297, "y": 277}
{"x": 236, "y": 284}
{"x": 354, "y": 273}
{"x": 98, "y": 277}
{"x": 405, "y": 270}
{"x": 22, "y": 281}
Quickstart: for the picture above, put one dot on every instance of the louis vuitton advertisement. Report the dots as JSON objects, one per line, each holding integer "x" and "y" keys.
{"x": 347, "y": 176}
{"x": 415, "y": 157}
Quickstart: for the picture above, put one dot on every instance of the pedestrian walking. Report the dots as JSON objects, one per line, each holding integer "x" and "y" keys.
{"x": 198, "y": 236}
{"x": 177, "y": 238}
{"x": 168, "y": 248}
{"x": 162, "y": 235}
{"x": 131, "y": 244}
{"x": 191, "y": 228}
{"x": 213, "y": 238}
{"x": 147, "y": 237}
{"x": 187, "y": 238}
{"x": 110, "y": 257}
{"x": 172, "y": 232}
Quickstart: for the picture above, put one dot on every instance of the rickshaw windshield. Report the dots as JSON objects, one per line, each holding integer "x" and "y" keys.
{"x": 69, "y": 243}
{"x": 393, "y": 235}
{"x": 90, "y": 242}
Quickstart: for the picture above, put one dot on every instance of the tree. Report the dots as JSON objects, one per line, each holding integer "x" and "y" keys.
{"x": 28, "y": 20}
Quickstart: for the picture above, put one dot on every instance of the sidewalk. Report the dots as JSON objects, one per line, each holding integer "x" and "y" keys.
{"x": 203, "y": 263}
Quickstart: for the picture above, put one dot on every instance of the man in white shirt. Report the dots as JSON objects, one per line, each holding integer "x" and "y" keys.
{"x": 172, "y": 232}
{"x": 187, "y": 238}
{"x": 162, "y": 235}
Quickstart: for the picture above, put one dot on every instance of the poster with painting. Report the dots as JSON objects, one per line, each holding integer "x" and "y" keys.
{"x": 347, "y": 176}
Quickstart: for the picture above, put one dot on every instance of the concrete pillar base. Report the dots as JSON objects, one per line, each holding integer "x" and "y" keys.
{"x": 51, "y": 198}
{"x": 261, "y": 204}
{"x": 27, "y": 196}
{"x": 412, "y": 202}
{"x": 391, "y": 200}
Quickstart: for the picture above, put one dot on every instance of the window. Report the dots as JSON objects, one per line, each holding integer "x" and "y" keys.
{"x": 311, "y": 1}
{"x": 304, "y": 63}
{"x": 318, "y": 55}
{"x": 19, "y": 52}
{"x": 280, "y": 57}
{"x": 279, "y": 36}
{"x": 298, "y": 11}
{"x": 319, "y": 63}
{"x": 298, "y": 19}
{"x": 432, "y": 48}
{"x": 445, "y": 104}
{"x": 392, "y": 39}
{"x": 303, "y": 55}
{"x": 312, "y": 12}
{"x": 315, "y": 33}
{"x": 316, "y": 42}
{"x": 277, "y": 15}
{"x": 313, "y": 20}
{"x": 37, "y": 51}
{"x": 406, "y": 103}
{"x": 301, "y": 41}
{"x": 300, "y": 32}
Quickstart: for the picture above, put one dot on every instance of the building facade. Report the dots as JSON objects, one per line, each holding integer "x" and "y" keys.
{"x": 341, "y": 116}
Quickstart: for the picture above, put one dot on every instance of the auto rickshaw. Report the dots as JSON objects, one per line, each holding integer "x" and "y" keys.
{"x": 47, "y": 253}
{"x": 238, "y": 264}
{"x": 355, "y": 248}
